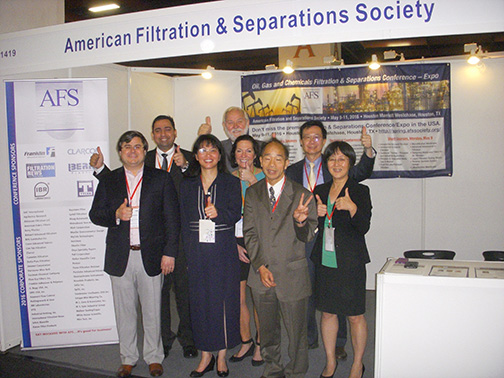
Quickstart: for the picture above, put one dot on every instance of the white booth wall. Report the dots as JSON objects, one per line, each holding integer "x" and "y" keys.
{"x": 463, "y": 213}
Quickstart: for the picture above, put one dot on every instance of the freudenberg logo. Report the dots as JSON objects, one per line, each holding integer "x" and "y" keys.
{"x": 81, "y": 151}
{"x": 41, "y": 190}
{"x": 79, "y": 168}
{"x": 85, "y": 188}
{"x": 37, "y": 170}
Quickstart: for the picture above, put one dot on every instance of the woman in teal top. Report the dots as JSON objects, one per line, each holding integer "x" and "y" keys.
{"x": 340, "y": 255}
{"x": 245, "y": 156}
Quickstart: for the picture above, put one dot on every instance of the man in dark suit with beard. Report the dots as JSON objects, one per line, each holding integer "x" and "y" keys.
{"x": 139, "y": 206}
{"x": 169, "y": 157}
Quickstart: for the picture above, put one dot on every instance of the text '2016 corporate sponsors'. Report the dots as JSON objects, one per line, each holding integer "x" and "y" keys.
{"x": 240, "y": 24}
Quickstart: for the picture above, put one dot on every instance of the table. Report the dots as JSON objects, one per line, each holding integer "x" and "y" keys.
{"x": 444, "y": 319}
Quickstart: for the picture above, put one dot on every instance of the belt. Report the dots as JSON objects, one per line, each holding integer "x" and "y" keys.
{"x": 135, "y": 247}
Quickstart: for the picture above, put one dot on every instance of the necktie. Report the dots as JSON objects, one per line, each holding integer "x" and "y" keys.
{"x": 272, "y": 197}
{"x": 312, "y": 181}
{"x": 164, "y": 166}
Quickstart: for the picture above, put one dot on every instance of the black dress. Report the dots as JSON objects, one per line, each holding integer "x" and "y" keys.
{"x": 342, "y": 290}
{"x": 213, "y": 268}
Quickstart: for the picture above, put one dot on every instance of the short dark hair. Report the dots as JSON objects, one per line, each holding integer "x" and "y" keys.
{"x": 345, "y": 149}
{"x": 161, "y": 117}
{"x": 255, "y": 145}
{"x": 312, "y": 123}
{"x": 128, "y": 137}
{"x": 195, "y": 167}
{"x": 275, "y": 140}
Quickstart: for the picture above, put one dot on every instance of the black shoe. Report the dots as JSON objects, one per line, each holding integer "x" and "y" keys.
{"x": 332, "y": 375}
{"x": 257, "y": 362}
{"x": 222, "y": 373}
{"x": 208, "y": 368}
{"x": 340, "y": 353}
{"x": 363, "y": 370}
{"x": 190, "y": 351}
{"x": 248, "y": 353}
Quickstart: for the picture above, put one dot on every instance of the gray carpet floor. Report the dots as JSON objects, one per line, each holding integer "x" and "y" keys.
{"x": 103, "y": 360}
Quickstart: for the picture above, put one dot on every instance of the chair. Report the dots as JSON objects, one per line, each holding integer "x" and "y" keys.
{"x": 430, "y": 254}
{"x": 493, "y": 255}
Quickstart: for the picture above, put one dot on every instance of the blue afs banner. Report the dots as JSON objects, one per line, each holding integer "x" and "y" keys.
{"x": 405, "y": 108}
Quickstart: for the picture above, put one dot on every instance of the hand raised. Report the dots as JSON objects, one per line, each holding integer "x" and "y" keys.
{"x": 210, "y": 210}
{"x": 321, "y": 208}
{"x": 124, "y": 212}
{"x": 301, "y": 213}
{"x": 366, "y": 141}
{"x": 179, "y": 158}
{"x": 96, "y": 160}
{"x": 205, "y": 128}
{"x": 346, "y": 203}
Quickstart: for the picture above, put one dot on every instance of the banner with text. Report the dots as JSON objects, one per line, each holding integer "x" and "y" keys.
{"x": 53, "y": 127}
{"x": 405, "y": 108}
{"x": 220, "y": 26}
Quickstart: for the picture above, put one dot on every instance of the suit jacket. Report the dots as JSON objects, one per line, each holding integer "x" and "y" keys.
{"x": 150, "y": 161}
{"x": 273, "y": 239}
{"x": 159, "y": 219}
{"x": 349, "y": 232}
{"x": 359, "y": 172}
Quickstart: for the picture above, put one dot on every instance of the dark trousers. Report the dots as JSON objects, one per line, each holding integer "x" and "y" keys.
{"x": 179, "y": 281}
{"x": 312, "y": 320}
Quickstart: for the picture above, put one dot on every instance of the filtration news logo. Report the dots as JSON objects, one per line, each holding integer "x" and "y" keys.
{"x": 39, "y": 170}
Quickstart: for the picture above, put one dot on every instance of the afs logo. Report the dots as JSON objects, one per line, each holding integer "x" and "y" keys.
{"x": 85, "y": 189}
{"x": 41, "y": 190}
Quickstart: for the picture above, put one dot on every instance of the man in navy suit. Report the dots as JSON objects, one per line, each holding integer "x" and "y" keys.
{"x": 310, "y": 172}
{"x": 169, "y": 157}
{"x": 139, "y": 206}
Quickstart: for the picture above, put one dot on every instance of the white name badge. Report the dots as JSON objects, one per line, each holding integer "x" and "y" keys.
{"x": 135, "y": 218}
{"x": 239, "y": 229}
{"x": 329, "y": 238}
{"x": 206, "y": 231}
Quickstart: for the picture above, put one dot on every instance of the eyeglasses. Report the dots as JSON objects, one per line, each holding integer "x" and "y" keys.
{"x": 314, "y": 137}
{"x": 208, "y": 151}
{"x": 129, "y": 147}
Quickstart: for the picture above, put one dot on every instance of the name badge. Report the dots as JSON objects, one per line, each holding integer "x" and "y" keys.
{"x": 329, "y": 239}
{"x": 239, "y": 229}
{"x": 135, "y": 217}
{"x": 206, "y": 231}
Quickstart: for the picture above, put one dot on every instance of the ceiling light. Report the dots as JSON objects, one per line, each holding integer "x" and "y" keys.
{"x": 207, "y": 74}
{"x": 270, "y": 67}
{"x": 374, "y": 65}
{"x": 391, "y": 54}
{"x": 288, "y": 69}
{"x": 104, "y": 8}
{"x": 475, "y": 53}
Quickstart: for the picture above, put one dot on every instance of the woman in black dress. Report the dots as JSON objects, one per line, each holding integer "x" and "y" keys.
{"x": 210, "y": 204}
{"x": 340, "y": 255}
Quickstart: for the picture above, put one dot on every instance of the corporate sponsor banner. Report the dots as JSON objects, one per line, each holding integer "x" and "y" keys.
{"x": 236, "y": 25}
{"x": 405, "y": 108}
{"x": 53, "y": 127}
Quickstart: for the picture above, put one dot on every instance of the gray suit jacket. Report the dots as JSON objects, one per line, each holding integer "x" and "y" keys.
{"x": 273, "y": 239}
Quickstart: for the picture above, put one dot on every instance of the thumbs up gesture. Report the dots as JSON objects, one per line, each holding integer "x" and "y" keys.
{"x": 321, "y": 208}
{"x": 205, "y": 128}
{"x": 179, "y": 158}
{"x": 124, "y": 212}
{"x": 210, "y": 209}
{"x": 367, "y": 143}
{"x": 346, "y": 203}
{"x": 96, "y": 160}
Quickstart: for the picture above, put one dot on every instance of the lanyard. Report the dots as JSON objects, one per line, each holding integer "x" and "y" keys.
{"x": 134, "y": 191}
{"x": 160, "y": 165}
{"x": 281, "y": 191}
{"x": 329, "y": 217}
{"x": 316, "y": 180}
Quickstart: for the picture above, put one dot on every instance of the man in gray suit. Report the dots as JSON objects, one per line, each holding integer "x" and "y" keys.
{"x": 279, "y": 218}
